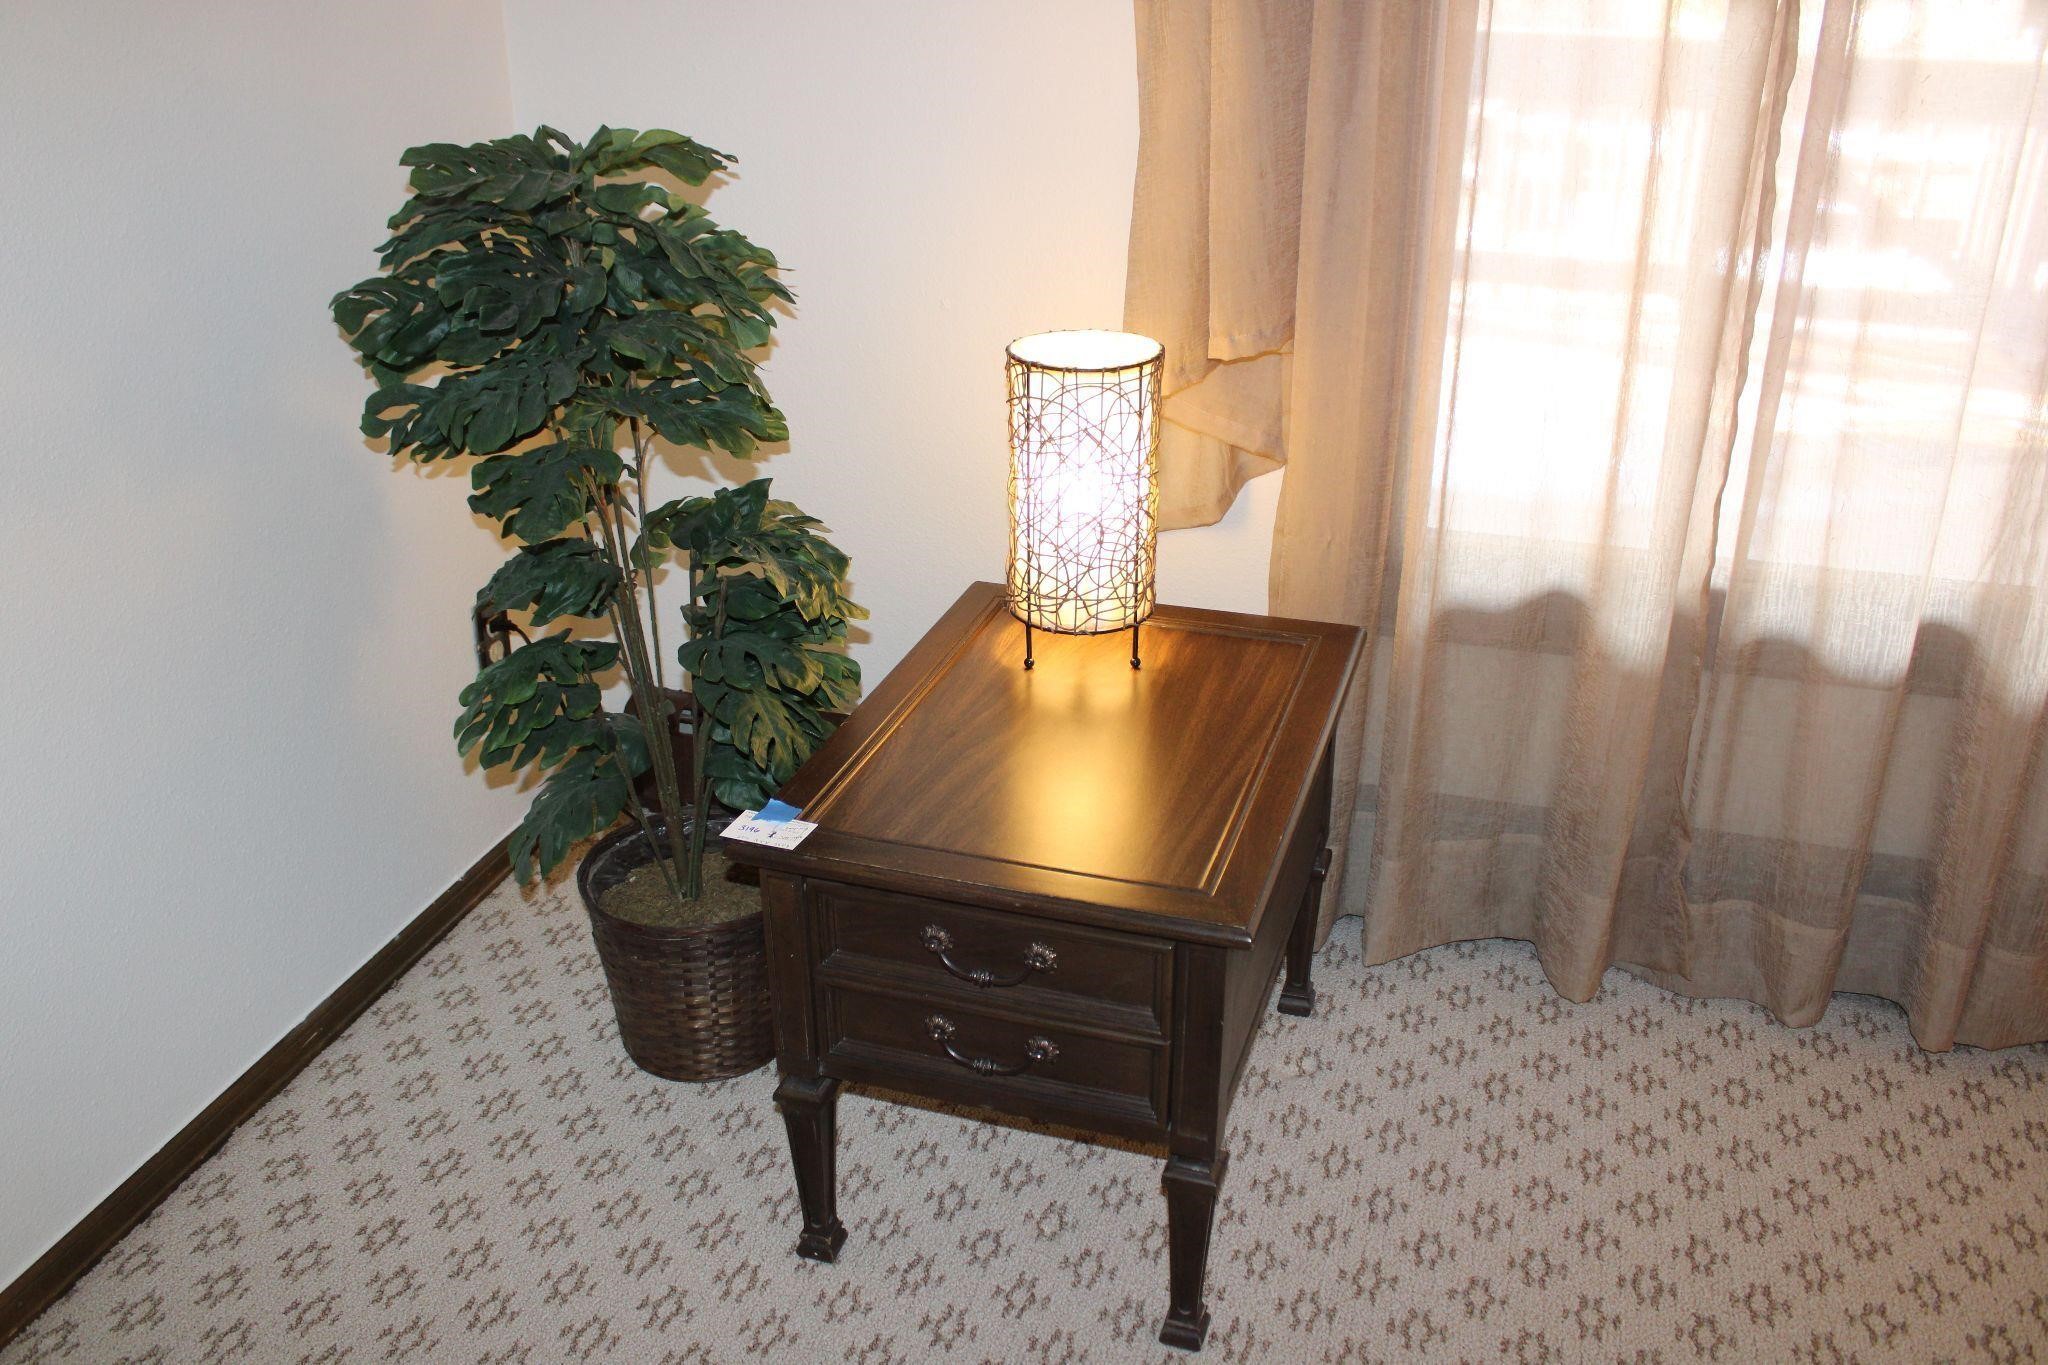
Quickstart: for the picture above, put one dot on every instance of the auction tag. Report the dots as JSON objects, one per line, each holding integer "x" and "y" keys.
{"x": 752, "y": 829}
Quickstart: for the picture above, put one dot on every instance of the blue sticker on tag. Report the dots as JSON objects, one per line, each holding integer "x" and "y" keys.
{"x": 775, "y": 812}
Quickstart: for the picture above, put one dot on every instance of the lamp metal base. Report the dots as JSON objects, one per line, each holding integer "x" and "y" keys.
{"x": 1030, "y": 663}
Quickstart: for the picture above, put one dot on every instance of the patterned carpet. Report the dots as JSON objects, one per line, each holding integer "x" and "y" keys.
{"x": 1446, "y": 1161}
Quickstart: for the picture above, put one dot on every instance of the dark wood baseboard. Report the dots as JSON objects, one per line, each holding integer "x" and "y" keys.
{"x": 78, "y": 1250}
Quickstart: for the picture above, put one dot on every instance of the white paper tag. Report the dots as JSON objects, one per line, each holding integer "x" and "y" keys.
{"x": 751, "y": 828}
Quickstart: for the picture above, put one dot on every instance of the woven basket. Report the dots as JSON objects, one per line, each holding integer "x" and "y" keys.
{"x": 692, "y": 1002}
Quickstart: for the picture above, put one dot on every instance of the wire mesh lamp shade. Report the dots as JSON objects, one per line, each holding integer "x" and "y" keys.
{"x": 1084, "y": 482}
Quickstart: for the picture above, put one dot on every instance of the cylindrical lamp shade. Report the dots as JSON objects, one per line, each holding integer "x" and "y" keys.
{"x": 1084, "y": 479}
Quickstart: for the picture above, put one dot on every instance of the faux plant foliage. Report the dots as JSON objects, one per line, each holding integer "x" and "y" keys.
{"x": 544, "y": 309}
{"x": 767, "y": 619}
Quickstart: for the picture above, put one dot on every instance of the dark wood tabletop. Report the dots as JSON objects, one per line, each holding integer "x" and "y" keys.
{"x": 1155, "y": 797}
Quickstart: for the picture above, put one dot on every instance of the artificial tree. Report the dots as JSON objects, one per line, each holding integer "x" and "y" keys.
{"x": 546, "y": 308}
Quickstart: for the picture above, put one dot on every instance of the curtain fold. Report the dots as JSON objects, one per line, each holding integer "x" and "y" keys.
{"x": 1212, "y": 267}
{"x": 1663, "y": 385}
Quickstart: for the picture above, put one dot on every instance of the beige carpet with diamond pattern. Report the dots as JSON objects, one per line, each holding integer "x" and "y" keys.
{"x": 1446, "y": 1162}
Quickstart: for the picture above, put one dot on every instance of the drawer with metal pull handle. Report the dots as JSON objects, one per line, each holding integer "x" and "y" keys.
{"x": 989, "y": 1059}
{"x": 1037, "y": 1048}
{"x": 1059, "y": 971}
{"x": 1036, "y": 958}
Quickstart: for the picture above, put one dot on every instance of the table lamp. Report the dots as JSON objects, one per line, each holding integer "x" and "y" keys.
{"x": 1084, "y": 482}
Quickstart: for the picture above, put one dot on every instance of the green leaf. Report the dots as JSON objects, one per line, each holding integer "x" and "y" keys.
{"x": 756, "y": 654}
{"x": 490, "y": 410}
{"x": 586, "y": 289}
{"x": 479, "y": 412}
{"x": 747, "y": 333}
{"x": 613, "y": 150}
{"x": 545, "y": 745}
{"x": 628, "y": 200}
{"x": 734, "y": 418}
{"x": 838, "y": 682}
{"x": 631, "y": 738}
{"x": 554, "y": 658}
{"x": 518, "y": 173}
{"x": 764, "y": 729}
{"x": 552, "y": 579}
{"x": 581, "y": 798}
{"x": 668, "y": 343}
{"x": 539, "y": 493}
{"x": 425, "y": 226}
{"x": 751, "y": 599}
{"x": 395, "y": 322}
{"x": 501, "y": 289}
{"x": 531, "y": 689}
{"x": 736, "y": 781}
{"x": 690, "y": 162}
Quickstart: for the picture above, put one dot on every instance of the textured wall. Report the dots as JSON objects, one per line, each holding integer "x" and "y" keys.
{"x": 232, "y": 634}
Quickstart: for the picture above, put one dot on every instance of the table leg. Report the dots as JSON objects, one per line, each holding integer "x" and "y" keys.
{"x": 1297, "y": 995}
{"x": 810, "y": 1107}
{"x": 1191, "y": 1188}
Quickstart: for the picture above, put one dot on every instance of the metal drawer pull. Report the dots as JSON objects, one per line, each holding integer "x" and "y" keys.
{"x": 1037, "y": 958}
{"x": 1037, "y": 1048}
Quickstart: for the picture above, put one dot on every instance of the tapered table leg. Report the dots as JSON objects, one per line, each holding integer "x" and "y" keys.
{"x": 810, "y": 1107}
{"x": 1297, "y": 995}
{"x": 1191, "y": 1189}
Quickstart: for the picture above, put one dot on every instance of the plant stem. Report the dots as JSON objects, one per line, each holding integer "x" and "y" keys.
{"x": 700, "y": 740}
{"x": 652, "y": 704}
{"x": 660, "y": 750}
{"x": 640, "y": 444}
{"x": 665, "y": 866}
{"x": 647, "y": 832}
{"x": 642, "y": 629}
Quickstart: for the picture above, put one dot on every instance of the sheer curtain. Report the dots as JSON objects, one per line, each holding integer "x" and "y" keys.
{"x": 1665, "y": 384}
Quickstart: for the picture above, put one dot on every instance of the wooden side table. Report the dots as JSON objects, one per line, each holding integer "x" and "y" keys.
{"x": 1062, "y": 894}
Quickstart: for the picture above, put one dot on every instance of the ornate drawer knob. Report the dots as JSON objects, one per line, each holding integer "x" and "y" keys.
{"x": 1037, "y": 1048}
{"x": 1037, "y": 958}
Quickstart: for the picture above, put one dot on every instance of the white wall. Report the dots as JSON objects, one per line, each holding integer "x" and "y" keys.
{"x": 940, "y": 176}
{"x": 230, "y": 634}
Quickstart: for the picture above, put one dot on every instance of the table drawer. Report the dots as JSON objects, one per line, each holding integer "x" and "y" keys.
{"x": 1053, "y": 971}
{"x": 916, "y": 1043}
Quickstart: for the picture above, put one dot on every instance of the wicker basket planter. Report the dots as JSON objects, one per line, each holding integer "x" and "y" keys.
{"x": 692, "y": 1002}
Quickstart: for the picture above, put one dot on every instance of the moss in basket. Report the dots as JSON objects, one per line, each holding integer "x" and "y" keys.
{"x": 731, "y": 891}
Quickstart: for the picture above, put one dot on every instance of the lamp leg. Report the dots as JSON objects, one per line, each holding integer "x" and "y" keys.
{"x": 1134, "y": 648}
{"x": 1027, "y": 647}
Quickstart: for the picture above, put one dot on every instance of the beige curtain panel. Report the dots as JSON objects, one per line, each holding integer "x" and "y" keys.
{"x": 1664, "y": 385}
